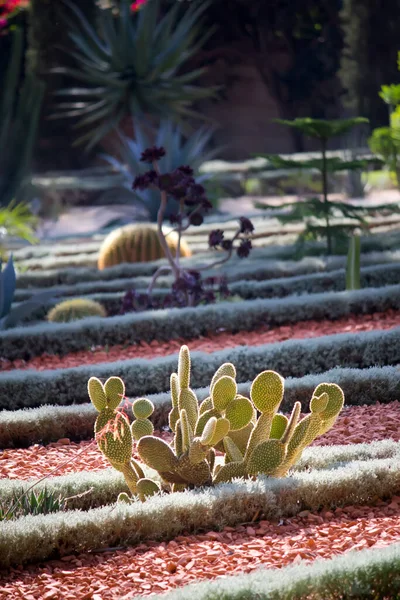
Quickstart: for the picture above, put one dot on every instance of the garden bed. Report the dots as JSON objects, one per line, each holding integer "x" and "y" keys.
{"x": 343, "y": 495}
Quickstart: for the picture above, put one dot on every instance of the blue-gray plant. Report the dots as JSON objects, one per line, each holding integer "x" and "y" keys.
{"x": 182, "y": 150}
{"x": 10, "y": 317}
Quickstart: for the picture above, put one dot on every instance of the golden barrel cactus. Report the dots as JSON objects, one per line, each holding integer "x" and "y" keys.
{"x": 74, "y": 309}
{"x": 137, "y": 243}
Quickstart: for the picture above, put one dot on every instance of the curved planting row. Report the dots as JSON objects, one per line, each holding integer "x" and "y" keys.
{"x": 33, "y": 340}
{"x": 374, "y": 276}
{"x": 264, "y": 266}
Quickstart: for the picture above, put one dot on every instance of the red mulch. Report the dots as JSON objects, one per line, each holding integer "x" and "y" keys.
{"x": 157, "y": 567}
{"x": 214, "y": 341}
{"x": 356, "y": 424}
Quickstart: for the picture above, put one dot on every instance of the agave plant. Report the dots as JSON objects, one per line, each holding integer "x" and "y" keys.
{"x": 19, "y": 115}
{"x": 133, "y": 65}
{"x": 190, "y": 151}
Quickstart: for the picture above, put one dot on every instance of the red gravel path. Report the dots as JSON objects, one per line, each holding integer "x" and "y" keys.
{"x": 213, "y": 342}
{"x": 355, "y": 425}
{"x": 158, "y": 567}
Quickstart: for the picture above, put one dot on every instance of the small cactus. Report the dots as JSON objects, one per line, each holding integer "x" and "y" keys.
{"x": 252, "y": 435}
{"x": 77, "y": 308}
{"x": 137, "y": 243}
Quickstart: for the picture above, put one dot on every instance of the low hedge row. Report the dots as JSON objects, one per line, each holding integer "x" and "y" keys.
{"x": 88, "y": 489}
{"x": 61, "y": 338}
{"x": 46, "y": 424}
{"x": 375, "y": 276}
{"x": 272, "y": 269}
{"x": 366, "y": 574}
{"x": 292, "y": 358}
{"x": 37, "y": 538}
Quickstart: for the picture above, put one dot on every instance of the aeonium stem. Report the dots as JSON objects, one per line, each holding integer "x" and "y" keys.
{"x": 160, "y": 220}
{"x": 160, "y": 270}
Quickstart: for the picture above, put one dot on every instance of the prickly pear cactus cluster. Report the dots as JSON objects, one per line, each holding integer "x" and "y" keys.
{"x": 113, "y": 432}
{"x": 249, "y": 434}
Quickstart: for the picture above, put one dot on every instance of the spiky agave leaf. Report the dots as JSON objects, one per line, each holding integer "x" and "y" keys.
{"x": 132, "y": 65}
{"x": 182, "y": 150}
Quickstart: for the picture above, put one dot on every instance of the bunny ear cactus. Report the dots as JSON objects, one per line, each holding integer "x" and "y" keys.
{"x": 112, "y": 428}
{"x": 252, "y": 435}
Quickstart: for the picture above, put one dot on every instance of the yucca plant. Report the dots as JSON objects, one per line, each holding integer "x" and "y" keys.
{"x": 181, "y": 151}
{"x": 132, "y": 64}
{"x": 19, "y": 116}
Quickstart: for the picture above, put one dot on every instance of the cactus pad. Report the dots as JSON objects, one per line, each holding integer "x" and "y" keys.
{"x": 319, "y": 403}
{"x": 227, "y": 369}
{"x": 184, "y": 367}
{"x": 197, "y": 452}
{"x": 140, "y": 428}
{"x": 203, "y": 418}
{"x": 146, "y": 488}
{"x": 188, "y": 402}
{"x": 233, "y": 470}
{"x": 114, "y": 389}
{"x": 335, "y": 402}
{"x": 114, "y": 436}
{"x": 266, "y": 457}
{"x": 156, "y": 454}
{"x": 267, "y": 391}
{"x": 123, "y": 498}
{"x": 207, "y": 404}
{"x": 97, "y": 394}
{"x": 241, "y": 437}
{"x": 187, "y": 431}
{"x": 279, "y": 424}
{"x": 174, "y": 384}
{"x": 195, "y": 474}
{"x": 142, "y": 408}
{"x": 232, "y": 452}
{"x": 239, "y": 413}
{"x": 223, "y": 392}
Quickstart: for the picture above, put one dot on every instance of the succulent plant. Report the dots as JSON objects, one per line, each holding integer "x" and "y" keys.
{"x": 252, "y": 436}
{"x": 9, "y": 317}
{"x": 182, "y": 150}
{"x": 137, "y": 243}
{"x": 77, "y": 308}
{"x": 112, "y": 429}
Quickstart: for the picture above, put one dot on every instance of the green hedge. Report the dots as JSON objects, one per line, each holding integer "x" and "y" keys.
{"x": 292, "y": 358}
{"x": 370, "y": 574}
{"x": 377, "y": 276}
{"x": 263, "y": 263}
{"x": 62, "y": 338}
{"x": 37, "y": 538}
{"x": 106, "y": 484}
{"x": 51, "y": 423}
